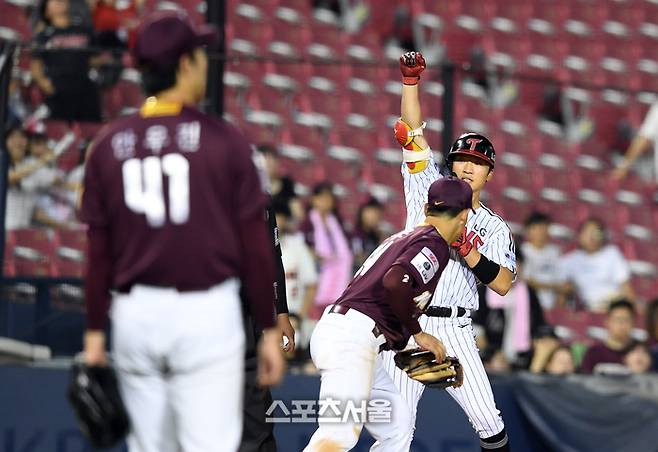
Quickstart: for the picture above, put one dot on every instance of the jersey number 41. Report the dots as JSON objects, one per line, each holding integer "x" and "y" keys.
{"x": 143, "y": 192}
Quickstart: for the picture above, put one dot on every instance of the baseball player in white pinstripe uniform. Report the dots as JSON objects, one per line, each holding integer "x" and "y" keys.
{"x": 484, "y": 253}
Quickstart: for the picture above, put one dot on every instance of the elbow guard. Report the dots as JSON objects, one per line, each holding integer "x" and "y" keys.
{"x": 413, "y": 156}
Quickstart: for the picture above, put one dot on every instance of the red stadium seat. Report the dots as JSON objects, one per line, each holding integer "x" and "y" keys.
{"x": 14, "y": 22}
{"x": 33, "y": 252}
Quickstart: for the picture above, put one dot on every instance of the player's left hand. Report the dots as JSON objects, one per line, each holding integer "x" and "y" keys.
{"x": 94, "y": 348}
{"x": 271, "y": 365}
{"x": 287, "y": 331}
{"x": 462, "y": 245}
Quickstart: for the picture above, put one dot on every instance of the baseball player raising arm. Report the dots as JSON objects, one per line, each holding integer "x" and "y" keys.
{"x": 483, "y": 253}
{"x": 176, "y": 226}
{"x": 378, "y": 311}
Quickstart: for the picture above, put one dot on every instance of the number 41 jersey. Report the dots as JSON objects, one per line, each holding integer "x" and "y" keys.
{"x": 171, "y": 187}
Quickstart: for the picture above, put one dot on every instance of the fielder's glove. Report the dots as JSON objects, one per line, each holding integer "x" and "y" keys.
{"x": 421, "y": 365}
{"x": 94, "y": 395}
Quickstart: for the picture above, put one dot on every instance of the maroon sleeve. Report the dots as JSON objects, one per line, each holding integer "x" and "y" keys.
{"x": 258, "y": 265}
{"x": 93, "y": 211}
{"x": 99, "y": 263}
{"x": 98, "y": 280}
{"x": 399, "y": 294}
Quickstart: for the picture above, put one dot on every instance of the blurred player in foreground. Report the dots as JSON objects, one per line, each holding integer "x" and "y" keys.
{"x": 484, "y": 252}
{"x": 379, "y": 311}
{"x": 175, "y": 227}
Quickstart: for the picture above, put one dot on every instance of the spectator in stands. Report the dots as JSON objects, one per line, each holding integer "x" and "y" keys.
{"x": 23, "y": 178}
{"x": 17, "y": 107}
{"x": 61, "y": 64}
{"x": 44, "y": 177}
{"x": 282, "y": 187}
{"x": 401, "y": 33}
{"x": 551, "y": 108}
{"x": 19, "y": 203}
{"x": 646, "y": 137}
{"x": 301, "y": 274}
{"x": 115, "y": 21}
{"x": 521, "y": 319}
{"x": 324, "y": 233}
{"x": 560, "y": 361}
{"x": 540, "y": 269}
{"x": 652, "y": 330}
{"x": 597, "y": 272}
{"x": 619, "y": 323}
{"x": 367, "y": 234}
{"x": 638, "y": 359}
{"x": 544, "y": 343}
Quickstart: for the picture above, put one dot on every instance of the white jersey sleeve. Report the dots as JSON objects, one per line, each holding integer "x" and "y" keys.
{"x": 500, "y": 248}
{"x": 416, "y": 187}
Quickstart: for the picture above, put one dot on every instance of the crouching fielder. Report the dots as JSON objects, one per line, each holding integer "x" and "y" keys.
{"x": 378, "y": 311}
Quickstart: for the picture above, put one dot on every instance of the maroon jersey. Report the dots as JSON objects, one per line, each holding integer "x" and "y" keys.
{"x": 175, "y": 194}
{"x": 423, "y": 254}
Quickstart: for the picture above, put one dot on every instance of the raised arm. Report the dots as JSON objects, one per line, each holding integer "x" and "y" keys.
{"x": 419, "y": 169}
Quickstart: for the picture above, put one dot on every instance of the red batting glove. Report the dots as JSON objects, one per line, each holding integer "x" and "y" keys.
{"x": 462, "y": 245}
{"x": 411, "y": 65}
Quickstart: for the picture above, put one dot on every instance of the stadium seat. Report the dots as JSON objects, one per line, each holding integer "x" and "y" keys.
{"x": 33, "y": 252}
{"x": 14, "y": 22}
{"x": 250, "y": 23}
{"x": 70, "y": 247}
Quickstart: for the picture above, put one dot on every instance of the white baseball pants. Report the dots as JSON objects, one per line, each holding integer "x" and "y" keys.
{"x": 345, "y": 350}
{"x": 180, "y": 363}
{"x": 475, "y": 396}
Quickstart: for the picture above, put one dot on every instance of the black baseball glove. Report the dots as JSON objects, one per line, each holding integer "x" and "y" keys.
{"x": 94, "y": 395}
{"x": 421, "y": 365}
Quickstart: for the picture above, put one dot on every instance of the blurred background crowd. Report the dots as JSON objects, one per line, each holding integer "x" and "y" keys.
{"x": 566, "y": 90}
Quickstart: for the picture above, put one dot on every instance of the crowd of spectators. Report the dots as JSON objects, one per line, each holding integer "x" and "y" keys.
{"x": 321, "y": 250}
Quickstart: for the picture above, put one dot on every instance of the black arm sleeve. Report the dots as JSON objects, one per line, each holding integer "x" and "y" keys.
{"x": 281, "y": 301}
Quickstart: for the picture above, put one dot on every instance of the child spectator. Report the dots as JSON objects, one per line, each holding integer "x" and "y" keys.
{"x": 638, "y": 359}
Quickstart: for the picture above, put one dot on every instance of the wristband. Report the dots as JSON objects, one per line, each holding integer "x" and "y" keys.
{"x": 410, "y": 80}
{"x": 486, "y": 270}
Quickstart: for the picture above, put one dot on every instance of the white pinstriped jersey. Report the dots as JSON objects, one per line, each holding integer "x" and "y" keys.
{"x": 458, "y": 284}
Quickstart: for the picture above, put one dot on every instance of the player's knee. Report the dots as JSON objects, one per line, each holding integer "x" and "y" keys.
{"x": 402, "y": 426}
{"x": 496, "y": 443}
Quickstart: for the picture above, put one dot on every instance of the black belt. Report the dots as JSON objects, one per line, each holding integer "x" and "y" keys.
{"x": 342, "y": 310}
{"x": 442, "y": 311}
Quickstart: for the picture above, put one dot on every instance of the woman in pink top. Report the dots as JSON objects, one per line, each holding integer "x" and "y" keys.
{"x": 325, "y": 235}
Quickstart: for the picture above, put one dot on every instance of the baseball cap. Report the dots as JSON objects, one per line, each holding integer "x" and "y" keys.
{"x": 165, "y": 36}
{"x": 450, "y": 193}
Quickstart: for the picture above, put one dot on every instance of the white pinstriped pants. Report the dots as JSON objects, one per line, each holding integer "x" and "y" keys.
{"x": 474, "y": 396}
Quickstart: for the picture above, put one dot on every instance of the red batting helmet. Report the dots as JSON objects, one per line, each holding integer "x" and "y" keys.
{"x": 472, "y": 144}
